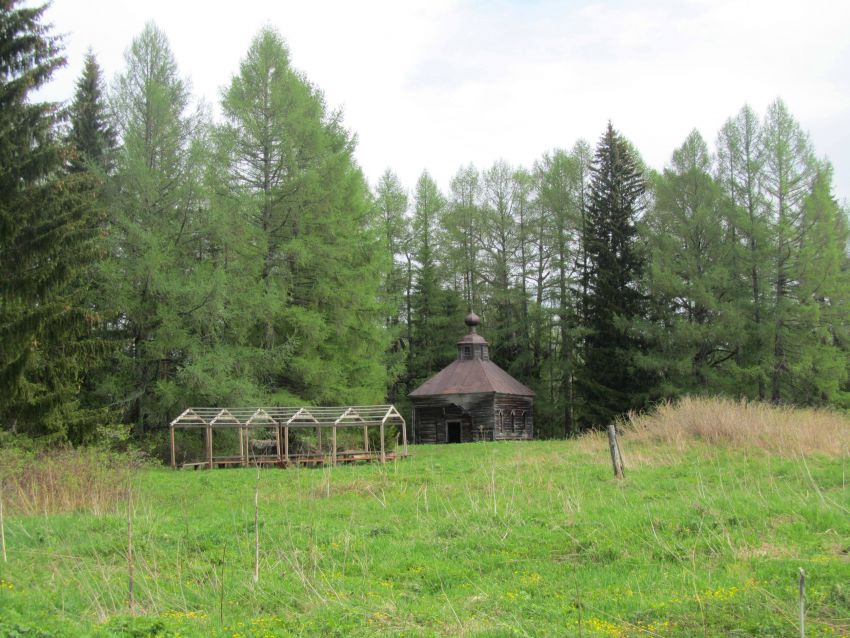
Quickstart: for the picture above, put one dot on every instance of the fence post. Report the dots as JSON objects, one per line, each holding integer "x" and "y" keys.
{"x": 616, "y": 459}
{"x": 802, "y": 603}
{"x": 131, "y": 598}
{"x": 2, "y": 525}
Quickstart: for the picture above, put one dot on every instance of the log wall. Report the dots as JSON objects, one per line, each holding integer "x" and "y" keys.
{"x": 482, "y": 417}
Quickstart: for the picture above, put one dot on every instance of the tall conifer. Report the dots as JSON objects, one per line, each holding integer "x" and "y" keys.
{"x": 610, "y": 380}
{"x": 46, "y": 229}
{"x": 91, "y": 134}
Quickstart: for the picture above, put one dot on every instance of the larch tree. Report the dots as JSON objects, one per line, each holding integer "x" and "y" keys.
{"x": 693, "y": 277}
{"x": 499, "y": 246}
{"x": 47, "y": 228}
{"x": 322, "y": 260}
{"x": 558, "y": 177}
{"x": 391, "y": 202}
{"x": 738, "y": 168}
{"x": 461, "y": 221}
{"x": 161, "y": 280}
{"x": 789, "y": 175}
{"x": 436, "y": 309}
{"x": 525, "y": 211}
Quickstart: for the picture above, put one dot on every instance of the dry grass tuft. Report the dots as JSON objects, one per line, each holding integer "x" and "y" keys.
{"x": 65, "y": 480}
{"x": 781, "y": 430}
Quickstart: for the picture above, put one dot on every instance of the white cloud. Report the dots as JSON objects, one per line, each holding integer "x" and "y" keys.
{"x": 438, "y": 84}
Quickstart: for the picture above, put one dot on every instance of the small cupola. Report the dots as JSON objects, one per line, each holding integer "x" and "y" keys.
{"x": 472, "y": 345}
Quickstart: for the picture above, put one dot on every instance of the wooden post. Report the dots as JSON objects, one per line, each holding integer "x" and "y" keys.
{"x": 616, "y": 459}
{"x": 286, "y": 443}
{"x": 173, "y": 455}
{"x": 802, "y": 603}
{"x": 404, "y": 437}
{"x": 2, "y": 525}
{"x": 277, "y": 440}
{"x": 209, "y": 447}
{"x": 333, "y": 444}
{"x": 130, "y": 593}
{"x": 366, "y": 438}
{"x": 257, "y": 528}
{"x": 319, "y": 438}
{"x": 244, "y": 432}
{"x": 383, "y": 450}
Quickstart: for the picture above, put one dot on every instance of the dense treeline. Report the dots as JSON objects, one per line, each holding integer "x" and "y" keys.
{"x": 606, "y": 286}
{"x": 154, "y": 258}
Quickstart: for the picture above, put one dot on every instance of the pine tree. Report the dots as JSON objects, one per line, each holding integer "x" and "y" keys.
{"x": 610, "y": 380}
{"x": 91, "y": 133}
{"x": 46, "y": 231}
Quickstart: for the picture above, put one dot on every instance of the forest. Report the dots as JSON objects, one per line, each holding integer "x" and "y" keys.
{"x": 156, "y": 256}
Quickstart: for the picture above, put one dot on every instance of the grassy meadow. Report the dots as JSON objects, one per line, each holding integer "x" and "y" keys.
{"x": 722, "y": 503}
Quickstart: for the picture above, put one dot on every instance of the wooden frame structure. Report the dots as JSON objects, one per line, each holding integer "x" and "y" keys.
{"x": 282, "y": 421}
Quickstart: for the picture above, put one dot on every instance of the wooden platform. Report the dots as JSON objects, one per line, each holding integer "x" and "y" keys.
{"x": 311, "y": 460}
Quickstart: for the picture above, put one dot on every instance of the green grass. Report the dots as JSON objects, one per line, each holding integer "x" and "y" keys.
{"x": 486, "y": 540}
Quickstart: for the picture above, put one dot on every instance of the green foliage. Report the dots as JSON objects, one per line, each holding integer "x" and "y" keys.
{"x": 611, "y": 379}
{"x": 701, "y": 304}
{"x": 91, "y": 134}
{"x": 160, "y": 282}
{"x": 290, "y": 178}
{"x": 436, "y": 309}
{"x": 156, "y": 260}
{"x": 46, "y": 231}
{"x": 391, "y": 203}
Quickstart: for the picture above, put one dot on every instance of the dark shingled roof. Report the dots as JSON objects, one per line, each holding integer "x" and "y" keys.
{"x": 471, "y": 376}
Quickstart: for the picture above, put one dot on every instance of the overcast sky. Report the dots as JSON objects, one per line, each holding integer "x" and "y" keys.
{"x": 436, "y": 84}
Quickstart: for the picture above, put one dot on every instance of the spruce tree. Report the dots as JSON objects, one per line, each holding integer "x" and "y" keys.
{"x": 91, "y": 134}
{"x": 611, "y": 381}
{"x": 46, "y": 231}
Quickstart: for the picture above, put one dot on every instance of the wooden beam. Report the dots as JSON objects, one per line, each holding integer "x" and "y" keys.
{"x": 173, "y": 453}
{"x": 365, "y": 438}
{"x": 244, "y": 434}
{"x": 404, "y": 436}
{"x": 333, "y": 444}
{"x": 286, "y": 443}
{"x": 383, "y": 447}
{"x": 209, "y": 446}
{"x": 277, "y": 440}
